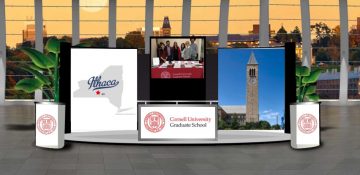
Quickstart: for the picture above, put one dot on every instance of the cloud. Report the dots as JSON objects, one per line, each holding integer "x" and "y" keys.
{"x": 266, "y": 111}
{"x": 270, "y": 116}
{"x": 269, "y": 113}
{"x": 274, "y": 113}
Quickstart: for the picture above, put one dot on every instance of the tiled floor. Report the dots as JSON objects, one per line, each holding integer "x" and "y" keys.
{"x": 338, "y": 155}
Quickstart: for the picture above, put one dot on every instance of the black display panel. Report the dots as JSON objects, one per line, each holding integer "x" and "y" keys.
{"x": 290, "y": 81}
{"x": 65, "y": 87}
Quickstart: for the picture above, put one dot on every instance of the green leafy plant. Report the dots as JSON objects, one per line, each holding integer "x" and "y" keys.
{"x": 45, "y": 68}
{"x": 306, "y": 84}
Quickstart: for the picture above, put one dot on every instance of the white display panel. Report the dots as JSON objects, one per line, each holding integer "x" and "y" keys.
{"x": 103, "y": 89}
{"x": 305, "y": 125}
{"x": 50, "y": 125}
{"x": 159, "y": 122}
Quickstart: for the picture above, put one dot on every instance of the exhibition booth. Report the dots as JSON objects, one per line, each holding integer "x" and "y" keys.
{"x": 178, "y": 94}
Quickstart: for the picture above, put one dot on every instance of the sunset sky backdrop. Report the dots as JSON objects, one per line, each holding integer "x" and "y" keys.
{"x": 131, "y": 15}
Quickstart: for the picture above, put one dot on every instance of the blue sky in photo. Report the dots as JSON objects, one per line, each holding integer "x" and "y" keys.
{"x": 232, "y": 79}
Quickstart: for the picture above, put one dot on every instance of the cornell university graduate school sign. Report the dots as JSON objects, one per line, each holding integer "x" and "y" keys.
{"x": 177, "y": 122}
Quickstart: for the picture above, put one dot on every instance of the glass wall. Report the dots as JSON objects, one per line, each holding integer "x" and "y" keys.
{"x": 20, "y": 27}
{"x": 243, "y": 23}
{"x": 354, "y": 50}
{"x": 167, "y": 17}
{"x": 243, "y": 31}
{"x": 201, "y": 24}
{"x": 325, "y": 35}
{"x": 130, "y": 25}
{"x": 94, "y": 23}
{"x": 59, "y": 26}
{"x": 206, "y": 25}
{"x": 55, "y": 25}
{"x": 286, "y": 28}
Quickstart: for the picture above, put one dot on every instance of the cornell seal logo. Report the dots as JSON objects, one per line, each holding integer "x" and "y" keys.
{"x": 165, "y": 74}
{"x": 154, "y": 122}
{"x": 46, "y": 124}
{"x": 307, "y": 123}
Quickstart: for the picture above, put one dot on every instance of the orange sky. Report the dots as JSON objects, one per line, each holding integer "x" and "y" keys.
{"x": 278, "y": 16}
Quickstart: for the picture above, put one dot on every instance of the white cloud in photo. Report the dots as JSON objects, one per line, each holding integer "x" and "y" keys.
{"x": 266, "y": 111}
{"x": 270, "y": 116}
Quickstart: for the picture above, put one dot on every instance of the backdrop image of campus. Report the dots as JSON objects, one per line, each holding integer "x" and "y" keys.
{"x": 251, "y": 88}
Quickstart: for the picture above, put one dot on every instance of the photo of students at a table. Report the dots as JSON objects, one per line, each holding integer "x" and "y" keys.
{"x": 188, "y": 51}
{"x": 177, "y": 57}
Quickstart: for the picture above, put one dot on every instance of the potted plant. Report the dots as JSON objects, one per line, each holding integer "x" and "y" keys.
{"x": 304, "y": 114}
{"x": 50, "y": 116}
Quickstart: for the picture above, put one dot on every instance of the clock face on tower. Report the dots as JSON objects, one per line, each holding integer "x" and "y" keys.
{"x": 252, "y": 81}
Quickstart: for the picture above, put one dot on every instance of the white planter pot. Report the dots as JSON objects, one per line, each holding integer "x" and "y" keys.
{"x": 50, "y": 125}
{"x": 305, "y": 125}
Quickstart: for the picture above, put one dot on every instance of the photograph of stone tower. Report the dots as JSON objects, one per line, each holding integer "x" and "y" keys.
{"x": 251, "y": 88}
{"x": 252, "y": 84}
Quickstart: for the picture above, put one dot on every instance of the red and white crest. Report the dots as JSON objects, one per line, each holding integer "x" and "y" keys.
{"x": 46, "y": 124}
{"x": 165, "y": 74}
{"x": 307, "y": 123}
{"x": 154, "y": 122}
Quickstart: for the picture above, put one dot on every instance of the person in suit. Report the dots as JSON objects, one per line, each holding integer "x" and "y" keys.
{"x": 176, "y": 53}
{"x": 168, "y": 51}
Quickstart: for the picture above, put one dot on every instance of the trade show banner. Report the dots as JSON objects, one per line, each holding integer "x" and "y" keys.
{"x": 103, "y": 89}
{"x": 183, "y": 122}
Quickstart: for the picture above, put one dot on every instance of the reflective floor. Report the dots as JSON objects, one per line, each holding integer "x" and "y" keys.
{"x": 224, "y": 137}
{"x": 339, "y": 153}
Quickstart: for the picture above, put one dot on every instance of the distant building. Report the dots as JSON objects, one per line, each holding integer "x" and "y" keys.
{"x": 355, "y": 34}
{"x": 298, "y": 51}
{"x": 227, "y": 112}
{"x": 256, "y": 30}
{"x": 328, "y": 84}
{"x": 135, "y": 38}
{"x": 29, "y": 32}
{"x": 156, "y": 31}
{"x": 166, "y": 28}
{"x": 29, "y": 35}
{"x": 237, "y": 40}
{"x": 247, "y": 40}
